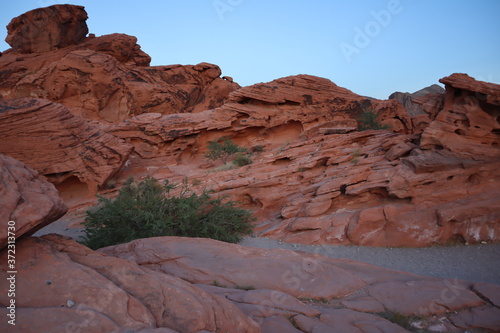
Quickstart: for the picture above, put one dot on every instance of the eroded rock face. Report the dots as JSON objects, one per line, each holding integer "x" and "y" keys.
{"x": 108, "y": 79}
{"x": 50, "y": 139}
{"x": 469, "y": 124}
{"x": 408, "y": 100}
{"x": 26, "y": 199}
{"x": 273, "y": 113}
{"x": 46, "y": 29}
{"x": 373, "y": 188}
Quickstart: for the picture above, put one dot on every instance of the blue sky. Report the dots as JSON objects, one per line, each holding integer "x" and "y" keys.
{"x": 370, "y": 47}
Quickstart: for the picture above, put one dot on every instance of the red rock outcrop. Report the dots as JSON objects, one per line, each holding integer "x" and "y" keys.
{"x": 168, "y": 285}
{"x": 26, "y": 199}
{"x": 285, "y": 284}
{"x": 65, "y": 286}
{"x": 46, "y": 29}
{"x": 373, "y": 188}
{"x": 50, "y": 139}
{"x": 469, "y": 124}
{"x": 95, "y": 84}
{"x": 272, "y": 113}
{"x": 408, "y": 100}
{"x": 104, "y": 78}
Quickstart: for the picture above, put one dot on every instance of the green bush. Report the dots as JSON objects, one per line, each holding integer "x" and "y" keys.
{"x": 222, "y": 149}
{"x": 367, "y": 120}
{"x": 241, "y": 160}
{"x": 146, "y": 209}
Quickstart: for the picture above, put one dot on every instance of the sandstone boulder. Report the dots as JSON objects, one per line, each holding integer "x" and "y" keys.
{"x": 65, "y": 286}
{"x": 27, "y": 199}
{"x": 46, "y": 29}
{"x": 313, "y": 292}
{"x": 50, "y": 139}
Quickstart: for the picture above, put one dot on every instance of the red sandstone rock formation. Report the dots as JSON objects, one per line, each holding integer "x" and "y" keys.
{"x": 263, "y": 114}
{"x": 372, "y": 188}
{"x": 469, "y": 124}
{"x": 47, "y": 137}
{"x": 46, "y": 29}
{"x": 105, "y": 78}
{"x": 64, "y": 286}
{"x": 26, "y": 199}
{"x": 310, "y": 184}
{"x": 166, "y": 284}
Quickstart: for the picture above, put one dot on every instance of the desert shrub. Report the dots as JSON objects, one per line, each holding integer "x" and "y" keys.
{"x": 367, "y": 120}
{"x": 222, "y": 149}
{"x": 241, "y": 160}
{"x": 146, "y": 209}
{"x": 258, "y": 149}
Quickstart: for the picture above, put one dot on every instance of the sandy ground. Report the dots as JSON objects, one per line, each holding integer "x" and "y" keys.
{"x": 479, "y": 263}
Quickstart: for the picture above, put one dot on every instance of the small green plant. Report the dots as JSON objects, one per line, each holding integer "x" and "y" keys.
{"x": 401, "y": 319}
{"x": 258, "y": 149}
{"x": 367, "y": 120}
{"x": 241, "y": 160}
{"x": 146, "y": 209}
{"x": 245, "y": 288}
{"x": 222, "y": 149}
{"x": 313, "y": 300}
{"x": 218, "y": 284}
{"x": 196, "y": 182}
{"x": 301, "y": 169}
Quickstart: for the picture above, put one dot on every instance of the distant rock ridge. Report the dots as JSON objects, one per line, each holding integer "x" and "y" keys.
{"x": 59, "y": 145}
{"x": 408, "y": 99}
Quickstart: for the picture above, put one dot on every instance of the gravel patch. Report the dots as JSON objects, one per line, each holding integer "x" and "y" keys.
{"x": 478, "y": 263}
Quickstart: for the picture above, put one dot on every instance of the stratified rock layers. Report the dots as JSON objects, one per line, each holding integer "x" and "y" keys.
{"x": 50, "y": 139}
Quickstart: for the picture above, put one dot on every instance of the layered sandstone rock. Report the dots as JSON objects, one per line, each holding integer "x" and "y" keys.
{"x": 101, "y": 81}
{"x": 46, "y": 29}
{"x": 272, "y": 113}
{"x": 469, "y": 124}
{"x": 105, "y": 78}
{"x": 26, "y": 199}
{"x": 373, "y": 188}
{"x": 50, "y": 139}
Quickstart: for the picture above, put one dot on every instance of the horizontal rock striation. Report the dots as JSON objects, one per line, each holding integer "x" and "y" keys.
{"x": 59, "y": 145}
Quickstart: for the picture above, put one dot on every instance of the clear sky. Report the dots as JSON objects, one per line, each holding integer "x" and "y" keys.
{"x": 371, "y": 47}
